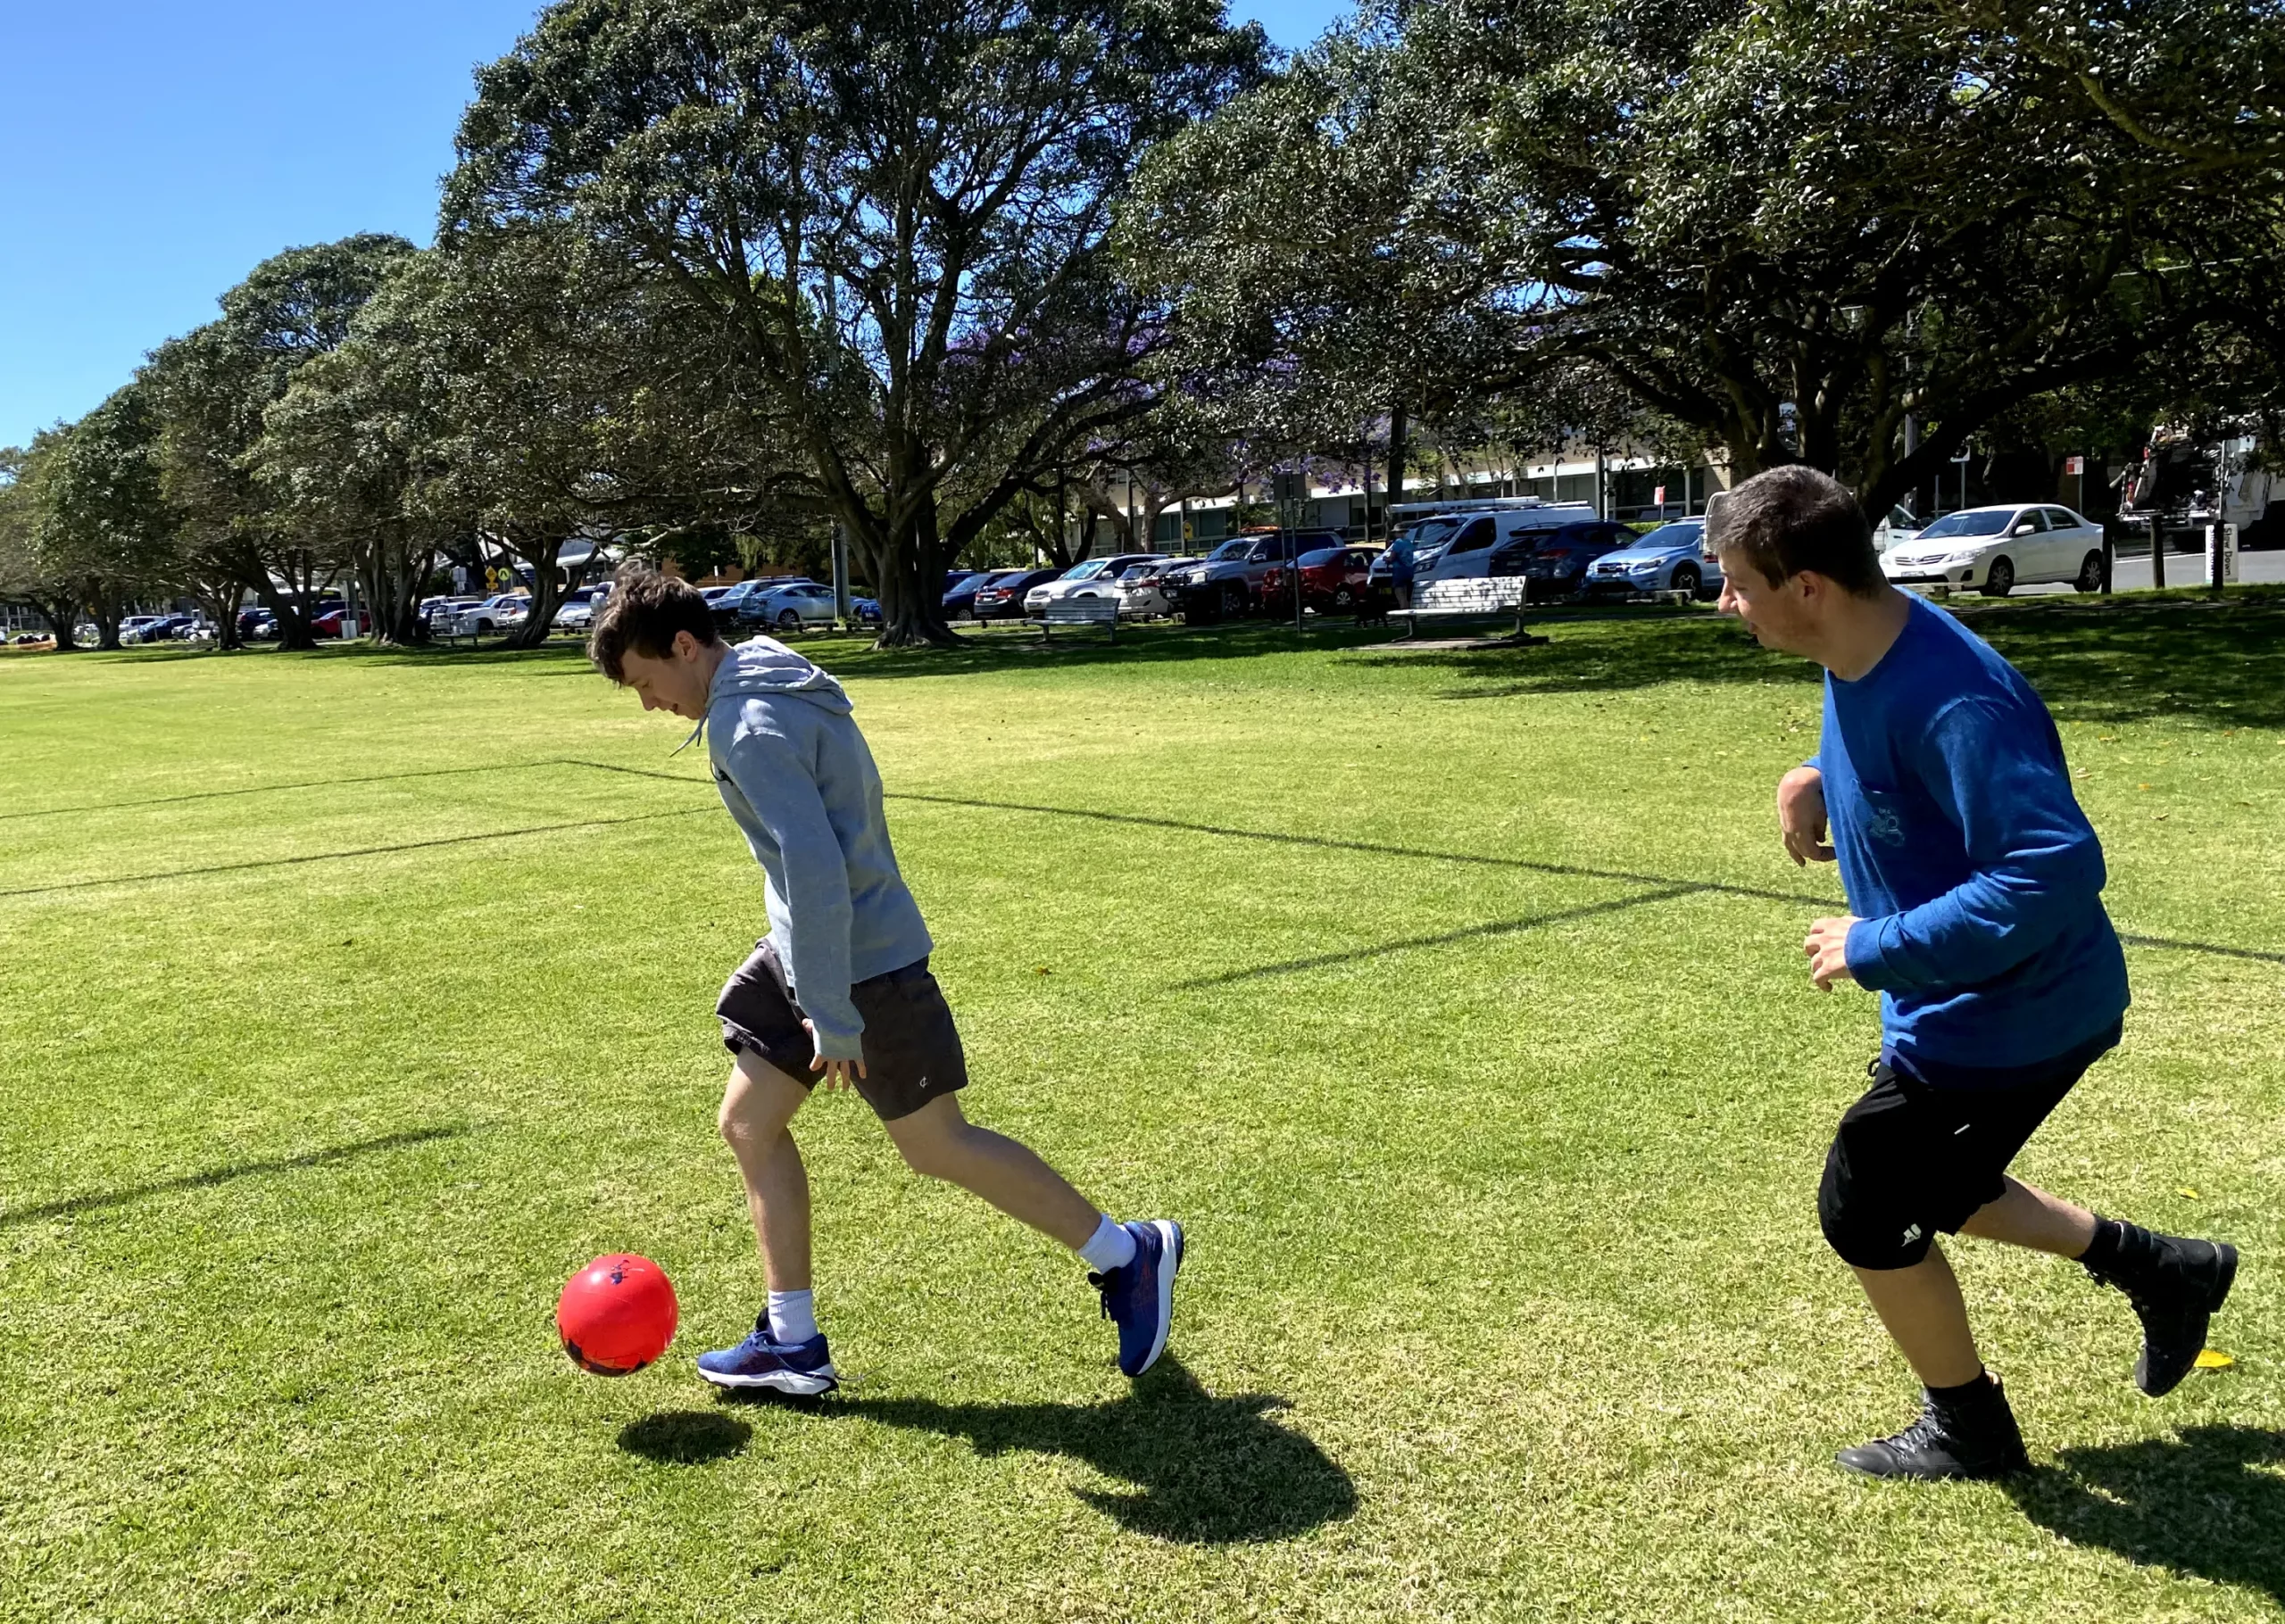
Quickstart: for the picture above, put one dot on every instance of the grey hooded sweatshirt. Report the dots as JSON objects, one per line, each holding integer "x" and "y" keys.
{"x": 797, "y": 777}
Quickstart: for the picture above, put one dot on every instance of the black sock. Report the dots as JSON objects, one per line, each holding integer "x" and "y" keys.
{"x": 1966, "y": 1395}
{"x": 2118, "y": 1246}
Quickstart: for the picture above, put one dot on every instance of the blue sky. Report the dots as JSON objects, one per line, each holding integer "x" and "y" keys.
{"x": 155, "y": 152}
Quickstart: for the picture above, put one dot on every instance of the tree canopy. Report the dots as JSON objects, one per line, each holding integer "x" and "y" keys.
{"x": 893, "y": 214}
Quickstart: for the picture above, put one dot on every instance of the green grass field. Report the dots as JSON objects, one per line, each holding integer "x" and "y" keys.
{"x": 1453, "y": 1000}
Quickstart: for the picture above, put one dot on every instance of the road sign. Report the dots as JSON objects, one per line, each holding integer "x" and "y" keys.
{"x": 2074, "y": 465}
{"x": 1288, "y": 487}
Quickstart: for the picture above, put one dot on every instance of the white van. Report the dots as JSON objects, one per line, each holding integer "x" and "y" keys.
{"x": 1465, "y": 556}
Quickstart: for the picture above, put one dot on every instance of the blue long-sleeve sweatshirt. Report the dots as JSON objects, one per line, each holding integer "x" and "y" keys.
{"x": 1976, "y": 879}
{"x": 800, "y": 783}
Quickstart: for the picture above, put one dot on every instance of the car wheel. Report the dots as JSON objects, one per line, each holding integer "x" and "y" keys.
{"x": 1685, "y": 579}
{"x": 484, "y": 625}
{"x": 1999, "y": 580}
{"x": 2090, "y": 573}
{"x": 1233, "y": 599}
{"x": 1343, "y": 597}
{"x": 789, "y": 620}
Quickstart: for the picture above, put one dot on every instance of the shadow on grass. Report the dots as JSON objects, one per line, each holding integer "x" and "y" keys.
{"x": 77, "y": 1204}
{"x": 1202, "y": 1470}
{"x": 252, "y": 864}
{"x": 684, "y": 1437}
{"x": 335, "y": 784}
{"x": 1497, "y": 927}
{"x": 1666, "y": 885}
{"x": 2209, "y": 1503}
{"x": 2138, "y": 658}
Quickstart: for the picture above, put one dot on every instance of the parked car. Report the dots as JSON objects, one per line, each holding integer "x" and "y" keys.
{"x": 1001, "y": 598}
{"x": 789, "y": 606}
{"x": 576, "y": 612}
{"x": 1671, "y": 559}
{"x": 866, "y": 612}
{"x": 960, "y": 598}
{"x": 1095, "y": 578}
{"x": 1141, "y": 595}
{"x": 1334, "y": 579}
{"x": 1227, "y": 580}
{"x": 1468, "y": 555}
{"x": 329, "y": 624}
{"x": 501, "y": 613}
{"x": 1556, "y": 562}
{"x": 444, "y": 614}
{"x": 131, "y": 629}
{"x": 1997, "y": 548}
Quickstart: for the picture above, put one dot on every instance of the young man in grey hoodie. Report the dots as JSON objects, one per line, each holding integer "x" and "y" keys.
{"x": 840, "y": 991}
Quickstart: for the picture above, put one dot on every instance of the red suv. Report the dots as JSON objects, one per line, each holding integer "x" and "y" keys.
{"x": 1332, "y": 579}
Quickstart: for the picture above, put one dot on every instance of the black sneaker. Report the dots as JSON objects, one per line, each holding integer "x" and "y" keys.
{"x": 2176, "y": 1286}
{"x": 1974, "y": 1438}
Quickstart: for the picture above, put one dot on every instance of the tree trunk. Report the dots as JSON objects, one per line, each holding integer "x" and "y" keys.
{"x": 911, "y": 574}
{"x": 1397, "y": 450}
{"x": 62, "y": 616}
{"x": 547, "y": 593}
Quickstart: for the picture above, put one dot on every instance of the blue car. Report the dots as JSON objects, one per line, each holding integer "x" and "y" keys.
{"x": 1671, "y": 559}
{"x": 865, "y": 611}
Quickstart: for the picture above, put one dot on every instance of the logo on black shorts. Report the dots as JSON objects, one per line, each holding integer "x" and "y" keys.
{"x": 1911, "y": 1233}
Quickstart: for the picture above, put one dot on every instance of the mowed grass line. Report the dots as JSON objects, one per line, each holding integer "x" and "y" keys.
{"x": 1492, "y": 1092}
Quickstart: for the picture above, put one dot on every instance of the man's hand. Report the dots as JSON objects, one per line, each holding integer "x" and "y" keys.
{"x": 1827, "y": 945}
{"x": 839, "y": 1073}
{"x": 1800, "y": 815}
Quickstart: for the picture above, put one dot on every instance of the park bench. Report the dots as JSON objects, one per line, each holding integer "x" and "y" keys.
{"x": 1079, "y": 611}
{"x": 1478, "y": 599}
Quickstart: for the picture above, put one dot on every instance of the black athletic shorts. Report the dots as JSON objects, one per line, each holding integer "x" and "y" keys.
{"x": 1912, "y": 1158}
{"x": 912, "y": 1050}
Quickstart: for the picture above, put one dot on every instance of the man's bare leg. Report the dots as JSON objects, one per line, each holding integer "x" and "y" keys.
{"x": 758, "y": 1108}
{"x": 1926, "y": 1318}
{"x": 939, "y": 1141}
{"x": 2026, "y": 1216}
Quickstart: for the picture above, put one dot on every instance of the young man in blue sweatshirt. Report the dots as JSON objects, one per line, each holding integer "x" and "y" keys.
{"x": 840, "y": 991}
{"x": 1975, "y": 884}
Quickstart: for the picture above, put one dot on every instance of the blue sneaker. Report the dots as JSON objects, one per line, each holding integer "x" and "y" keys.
{"x": 802, "y": 1369}
{"x": 1139, "y": 1298}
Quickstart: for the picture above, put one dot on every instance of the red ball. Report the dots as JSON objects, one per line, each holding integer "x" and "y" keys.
{"x": 617, "y": 1315}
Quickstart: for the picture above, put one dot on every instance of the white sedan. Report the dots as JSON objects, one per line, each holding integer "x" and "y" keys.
{"x": 1995, "y": 550}
{"x": 1095, "y": 578}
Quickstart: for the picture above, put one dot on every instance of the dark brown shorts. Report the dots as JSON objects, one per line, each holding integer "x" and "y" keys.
{"x": 912, "y": 1049}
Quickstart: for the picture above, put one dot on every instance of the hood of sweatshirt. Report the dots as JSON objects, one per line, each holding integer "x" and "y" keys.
{"x": 763, "y": 666}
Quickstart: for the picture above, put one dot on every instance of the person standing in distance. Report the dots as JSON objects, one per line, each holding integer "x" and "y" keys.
{"x": 1400, "y": 567}
{"x": 1975, "y": 886}
{"x": 840, "y": 991}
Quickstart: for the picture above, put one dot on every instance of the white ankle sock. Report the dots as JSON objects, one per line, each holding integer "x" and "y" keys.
{"x": 1108, "y": 1247}
{"x": 792, "y": 1316}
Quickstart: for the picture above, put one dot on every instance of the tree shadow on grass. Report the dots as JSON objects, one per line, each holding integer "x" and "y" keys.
{"x": 74, "y": 1206}
{"x": 1203, "y": 1469}
{"x": 684, "y": 1437}
{"x": 2208, "y": 1502}
{"x": 2138, "y": 658}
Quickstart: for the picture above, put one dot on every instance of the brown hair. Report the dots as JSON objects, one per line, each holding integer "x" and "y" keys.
{"x": 1793, "y": 519}
{"x": 642, "y": 615}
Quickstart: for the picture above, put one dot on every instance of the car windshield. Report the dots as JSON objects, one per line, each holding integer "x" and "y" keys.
{"x": 1087, "y": 571}
{"x": 1323, "y": 555}
{"x": 1979, "y": 521}
{"x": 1230, "y": 550}
{"x": 1668, "y": 536}
{"x": 1431, "y": 532}
{"x": 1136, "y": 572}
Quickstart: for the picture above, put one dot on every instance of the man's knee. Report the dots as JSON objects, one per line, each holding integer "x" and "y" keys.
{"x": 1869, "y": 1228}
{"x": 935, "y": 1141}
